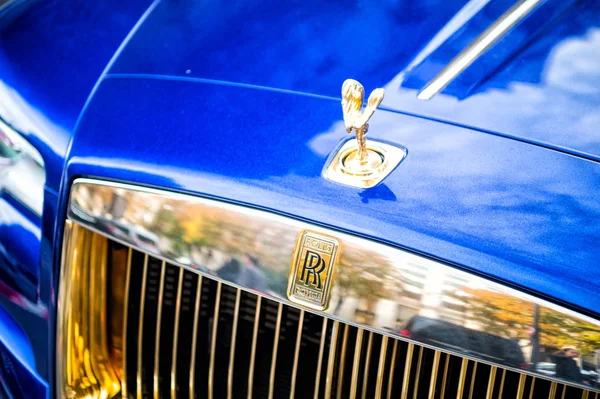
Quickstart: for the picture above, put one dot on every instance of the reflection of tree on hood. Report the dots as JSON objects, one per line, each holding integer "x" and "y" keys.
{"x": 509, "y": 316}
{"x": 559, "y": 330}
{"x": 366, "y": 275}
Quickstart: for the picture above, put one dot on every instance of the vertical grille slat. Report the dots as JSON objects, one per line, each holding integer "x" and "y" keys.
{"x": 242, "y": 345}
{"x": 365, "y": 386}
{"x": 445, "y": 375}
{"x": 407, "y": 368}
{"x": 502, "y": 379}
{"x": 434, "y": 374}
{"x": 418, "y": 373}
{"x": 140, "y": 341}
{"x": 178, "y": 310}
{"x": 521, "y": 386}
{"x": 232, "y": 346}
{"x": 553, "y": 388}
{"x": 381, "y": 367}
{"x": 342, "y": 365}
{"x": 274, "y": 354}
{"x": 356, "y": 363}
{"x": 192, "y": 375}
{"x": 331, "y": 359}
{"x": 296, "y": 354}
{"x": 253, "y": 348}
{"x": 213, "y": 342}
{"x": 124, "y": 388}
{"x": 473, "y": 375}
{"x": 462, "y": 378}
{"x": 320, "y": 358}
{"x": 491, "y": 381}
{"x": 157, "y": 359}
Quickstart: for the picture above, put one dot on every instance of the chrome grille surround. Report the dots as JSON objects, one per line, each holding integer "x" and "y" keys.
{"x": 375, "y": 365}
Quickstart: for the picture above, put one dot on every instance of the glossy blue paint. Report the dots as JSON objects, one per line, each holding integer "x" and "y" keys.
{"x": 478, "y": 201}
{"x": 510, "y": 210}
{"x": 19, "y": 249}
{"x": 540, "y": 83}
{"x": 18, "y": 377}
{"x": 51, "y": 55}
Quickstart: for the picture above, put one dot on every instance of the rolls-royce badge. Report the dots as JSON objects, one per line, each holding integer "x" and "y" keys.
{"x": 312, "y": 269}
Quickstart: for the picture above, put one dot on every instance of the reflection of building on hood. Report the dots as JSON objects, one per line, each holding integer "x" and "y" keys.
{"x": 566, "y": 367}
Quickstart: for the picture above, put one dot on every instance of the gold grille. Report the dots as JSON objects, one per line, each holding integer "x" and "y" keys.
{"x": 158, "y": 330}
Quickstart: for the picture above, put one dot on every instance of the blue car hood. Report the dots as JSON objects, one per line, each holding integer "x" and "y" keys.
{"x": 539, "y": 83}
{"x": 241, "y": 102}
{"x": 513, "y": 211}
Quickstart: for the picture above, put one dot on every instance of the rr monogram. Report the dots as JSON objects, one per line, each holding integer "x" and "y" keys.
{"x": 313, "y": 267}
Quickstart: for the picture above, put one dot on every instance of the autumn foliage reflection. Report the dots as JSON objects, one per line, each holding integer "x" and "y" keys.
{"x": 507, "y": 316}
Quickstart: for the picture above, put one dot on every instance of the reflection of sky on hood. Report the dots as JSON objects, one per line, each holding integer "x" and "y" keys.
{"x": 562, "y": 109}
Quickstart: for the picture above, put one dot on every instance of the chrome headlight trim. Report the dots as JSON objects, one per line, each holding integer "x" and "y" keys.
{"x": 375, "y": 286}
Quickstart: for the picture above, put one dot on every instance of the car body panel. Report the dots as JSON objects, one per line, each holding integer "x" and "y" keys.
{"x": 479, "y": 201}
{"x": 242, "y": 103}
{"x": 18, "y": 376}
{"x": 51, "y": 57}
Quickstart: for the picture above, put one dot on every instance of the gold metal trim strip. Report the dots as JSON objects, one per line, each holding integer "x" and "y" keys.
{"x": 98, "y": 348}
{"x": 407, "y": 366}
{"x": 340, "y": 384}
{"x": 392, "y": 367}
{"x": 478, "y": 47}
{"x": 434, "y": 373}
{"x": 320, "y": 357}
{"x": 367, "y": 364}
{"x": 156, "y": 379}
{"x": 192, "y": 382}
{"x": 445, "y": 375}
{"x": 253, "y": 350}
{"x": 473, "y": 375}
{"x": 553, "y": 387}
{"x": 82, "y": 317}
{"x": 63, "y": 346}
{"x": 124, "y": 389}
{"x": 176, "y": 336}
{"x": 418, "y": 373}
{"x": 462, "y": 377}
{"x": 213, "y": 342}
{"x": 236, "y": 312}
{"x": 381, "y": 367}
{"x": 331, "y": 359}
{"x": 141, "y": 329}
{"x": 531, "y": 389}
{"x": 521, "y": 386}
{"x": 297, "y": 354}
{"x": 491, "y": 381}
{"x": 502, "y": 383}
{"x": 275, "y": 349}
{"x": 356, "y": 363}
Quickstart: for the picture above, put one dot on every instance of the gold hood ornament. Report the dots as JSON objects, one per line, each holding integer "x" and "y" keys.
{"x": 353, "y": 94}
{"x": 359, "y": 163}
